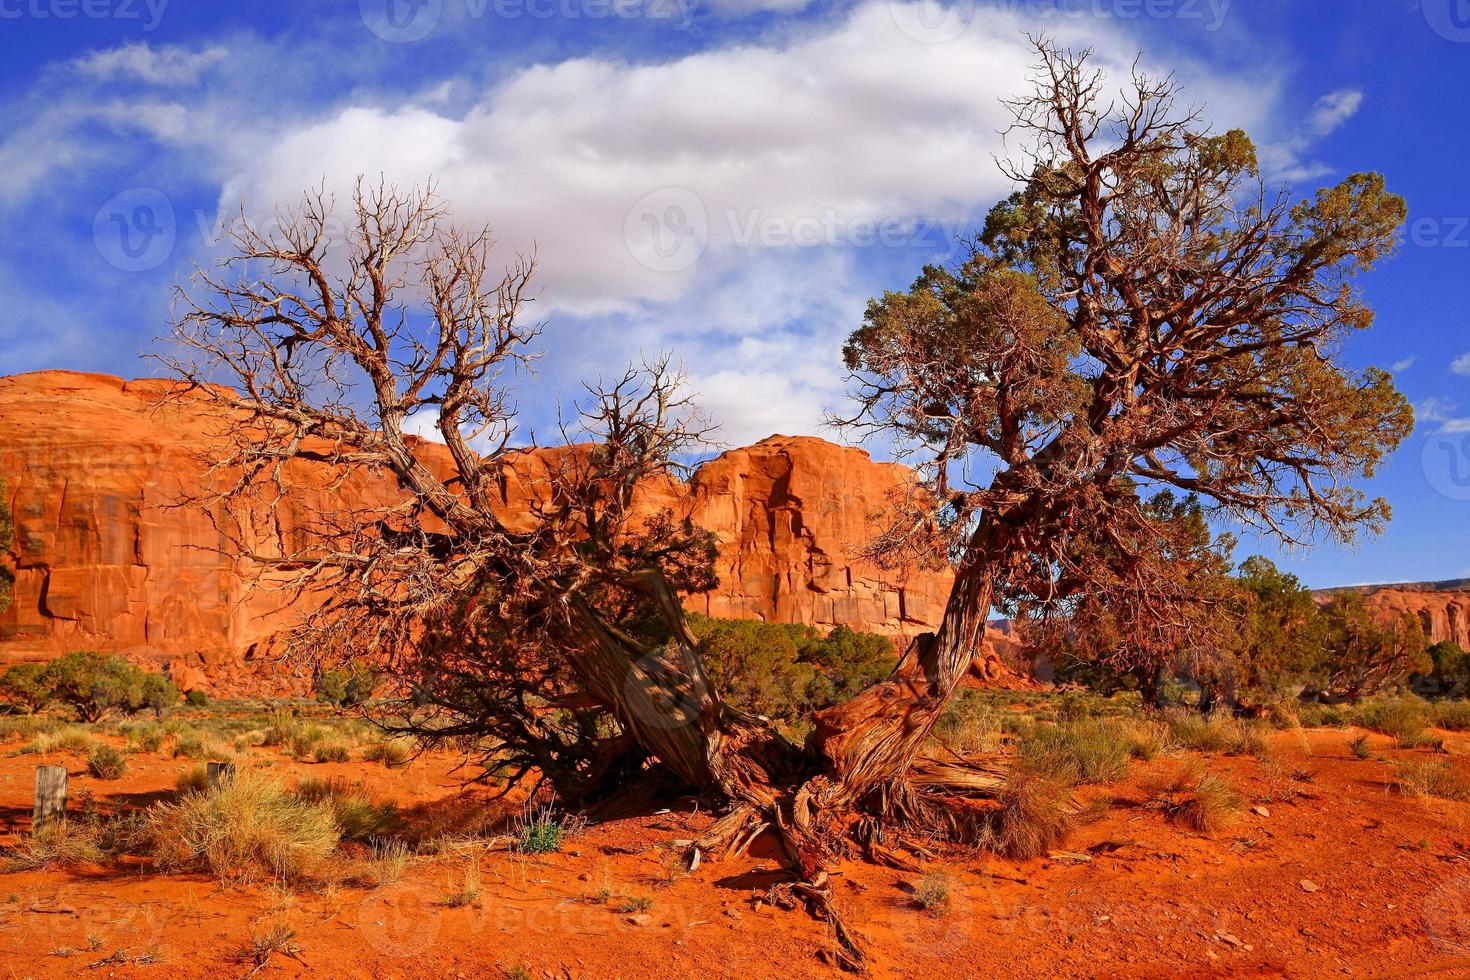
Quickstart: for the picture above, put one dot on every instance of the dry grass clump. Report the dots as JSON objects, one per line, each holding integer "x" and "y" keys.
{"x": 1404, "y": 721}
{"x": 1432, "y": 778}
{"x": 391, "y": 752}
{"x": 1216, "y": 732}
{"x": 1453, "y": 716}
{"x": 1190, "y": 796}
{"x": 932, "y": 894}
{"x": 1036, "y": 814}
{"x": 1145, "y": 739}
{"x": 358, "y": 815}
{"x": 70, "y": 739}
{"x": 387, "y": 863}
{"x": 58, "y": 843}
{"x": 1089, "y": 750}
{"x": 195, "y": 779}
{"x": 106, "y": 762}
{"x": 248, "y": 827}
{"x": 1360, "y": 748}
{"x": 267, "y": 939}
{"x": 465, "y": 890}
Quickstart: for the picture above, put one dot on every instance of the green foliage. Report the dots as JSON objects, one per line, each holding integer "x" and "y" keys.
{"x": 1283, "y": 632}
{"x": 345, "y": 688}
{"x": 1450, "y": 667}
{"x": 95, "y": 685}
{"x": 197, "y": 698}
{"x": 1360, "y": 656}
{"x": 26, "y": 687}
{"x": 787, "y": 671}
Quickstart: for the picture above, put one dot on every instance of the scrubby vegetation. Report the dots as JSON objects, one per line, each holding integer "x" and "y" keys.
{"x": 92, "y": 685}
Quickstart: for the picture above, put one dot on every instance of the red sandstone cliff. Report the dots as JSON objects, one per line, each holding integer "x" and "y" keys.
{"x": 1442, "y": 608}
{"x": 105, "y": 561}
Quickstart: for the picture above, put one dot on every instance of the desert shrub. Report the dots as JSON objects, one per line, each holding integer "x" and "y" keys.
{"x": 331, "y": 750}
{"x": 1282, "y": 714}
{"x": 95, "y": 685}
{"x": 345, "y": 688}
{"x": 1145, "y": 739}
{"x": 195, "y": 779}
{"x": 1316, "y": 715}
{"x": 1452, "y": 716}
{"x": 267, "y": 939}
{"x": 1359, "y": 747}
{"x": 58, "y": 843}
{"x": 25, "y": 687}
{"x": 466, "y": 889}
{"x": 1188, "y": 795}
{"x": 245, "y": 828}
{"x": 391, "y": 752}
{"x": 1092, "y": 750}
{"x": 387, "y": 861}
{"x": 1215, "y": 732}
{"x": 357, "y": 814}
{"x": 1403, "y": 720}
{"x": 785, "y": 671}
{"x": 932, "y": 894}
{"x": 969, "y": 725}
{"x": 538, "y": 831}
{"x": 1432, "y": 778}
{"x": 106, "y": 762}
{"x": 197, "y": 698}
{"x": 1035, "y": 814}
{"x": 144, "y": 737}
{"x": 69, "y": 739}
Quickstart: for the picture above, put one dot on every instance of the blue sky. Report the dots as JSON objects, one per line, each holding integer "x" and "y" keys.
{"x": 813, "y": 154}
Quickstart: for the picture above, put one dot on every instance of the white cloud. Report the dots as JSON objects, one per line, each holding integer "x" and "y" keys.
{"x": 834, "y": 133}
{"x": 1461, "y": 364}
{"x": 1334, "y": 109}
{"x": 165, "y": 65}
{"x": 1442, "y": 414}
{"x": 1285, "y": 159}
{"x": 1402, "y": 365}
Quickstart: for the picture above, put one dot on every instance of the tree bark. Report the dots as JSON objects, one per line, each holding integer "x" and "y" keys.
{"x": 868, "y": 743}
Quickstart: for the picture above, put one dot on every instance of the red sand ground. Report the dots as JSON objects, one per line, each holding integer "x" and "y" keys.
{"x": 1391, "y": 877}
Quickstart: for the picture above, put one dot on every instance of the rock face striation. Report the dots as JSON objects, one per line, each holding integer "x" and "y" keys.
{"x": 106, "y": 557}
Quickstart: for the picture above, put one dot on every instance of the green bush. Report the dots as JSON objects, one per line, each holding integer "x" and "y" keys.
{"x": 197, "y": 699}
{"x": 345, "y": 688}
{"x": 1403, "y": 720}
{"x": 786, "y": 671}
{"x": 106, "y": 762}
{"x": 25, "y": 686}
{"x": 1453, "y": 716}
{"x": 95, "y": 685}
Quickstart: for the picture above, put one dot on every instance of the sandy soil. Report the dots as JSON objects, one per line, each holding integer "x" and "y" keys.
{"x": 1336, "y": 874}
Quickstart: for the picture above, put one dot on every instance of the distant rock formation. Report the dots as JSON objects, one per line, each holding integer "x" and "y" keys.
{"x": 1442, "y": 608}
{"x": 105, "y": 560}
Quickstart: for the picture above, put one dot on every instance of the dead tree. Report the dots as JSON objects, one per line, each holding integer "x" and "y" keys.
{"x": 1139, "y": 315}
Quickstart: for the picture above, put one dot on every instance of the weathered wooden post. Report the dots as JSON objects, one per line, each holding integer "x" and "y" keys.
{"x": 219, "y": 774}
{"x": 50, "y": 796}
